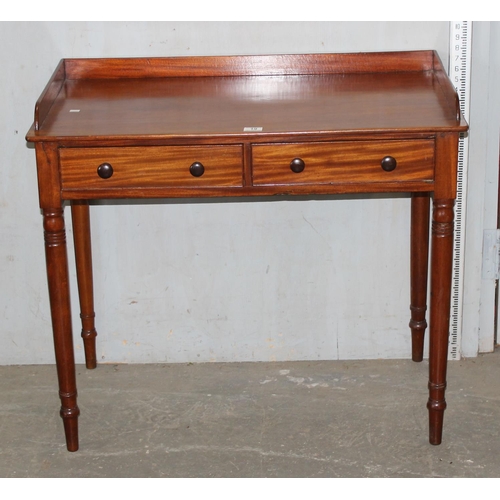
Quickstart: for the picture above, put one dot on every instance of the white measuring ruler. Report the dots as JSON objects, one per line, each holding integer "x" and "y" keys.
{"x": 459, "y": 72}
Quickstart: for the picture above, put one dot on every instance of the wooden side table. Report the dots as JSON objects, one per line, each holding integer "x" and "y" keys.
{"x": 248, "y": 126}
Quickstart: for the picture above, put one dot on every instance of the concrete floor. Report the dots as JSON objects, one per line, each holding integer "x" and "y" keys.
{"x": 295, "y": 419}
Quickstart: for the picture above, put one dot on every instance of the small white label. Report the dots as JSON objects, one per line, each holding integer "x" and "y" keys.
{"x": 74, "y": 110}
{"x": 252, "y": 129}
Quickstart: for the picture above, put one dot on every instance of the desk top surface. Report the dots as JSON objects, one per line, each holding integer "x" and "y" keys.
{"x": 277, "y": 96}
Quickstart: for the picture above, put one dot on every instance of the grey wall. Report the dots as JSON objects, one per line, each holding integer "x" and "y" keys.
{"x": 272, "y": 280}
{"x": 482, "y": 190}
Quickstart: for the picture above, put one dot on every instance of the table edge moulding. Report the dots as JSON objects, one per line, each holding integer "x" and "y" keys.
{"x": 263, "y": 125}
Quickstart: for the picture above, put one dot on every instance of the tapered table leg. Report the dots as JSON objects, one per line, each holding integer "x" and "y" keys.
{"x": 83, "y": 257}
{"x": 58, "y": 282}
{"x": 441, "y": 272}
{"x": 419, "y": 262}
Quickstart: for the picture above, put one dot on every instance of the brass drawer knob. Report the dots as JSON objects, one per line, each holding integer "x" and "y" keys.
{"x": 105, "y": 171}
{"x": 197, "y": 169}
{"x": 297, "y": 165}
{"x": 388, "y": 163}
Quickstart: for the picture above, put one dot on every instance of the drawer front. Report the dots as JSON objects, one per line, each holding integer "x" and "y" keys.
{"x": 342, "y": 162}
{"x": 154, "y": 166}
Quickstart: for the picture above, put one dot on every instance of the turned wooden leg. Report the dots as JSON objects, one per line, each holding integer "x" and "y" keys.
{"x": 441, "y": 274}
{"x": 83, "y": 257}
{"x": 58, "y": 281}
{"x": 419, "y": 261}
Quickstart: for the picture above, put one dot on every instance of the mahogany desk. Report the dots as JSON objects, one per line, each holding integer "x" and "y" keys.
{"x": 248, "y": 126}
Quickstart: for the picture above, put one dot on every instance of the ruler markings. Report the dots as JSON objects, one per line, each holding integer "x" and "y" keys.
{"x": 459, "y": 72}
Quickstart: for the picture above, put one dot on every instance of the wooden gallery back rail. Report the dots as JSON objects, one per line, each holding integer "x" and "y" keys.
{"x": 307, "y": 124}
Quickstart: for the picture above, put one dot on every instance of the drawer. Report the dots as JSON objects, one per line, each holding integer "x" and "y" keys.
{"x": 153, "y": 166}
{"x": 342, "y": 162}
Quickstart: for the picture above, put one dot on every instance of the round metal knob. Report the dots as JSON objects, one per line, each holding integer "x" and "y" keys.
{"x": 388, "y": 163}
{"x": 196, "y": 169}
{"x": 105, "y": 171}
{"x": 297, "y": 165}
